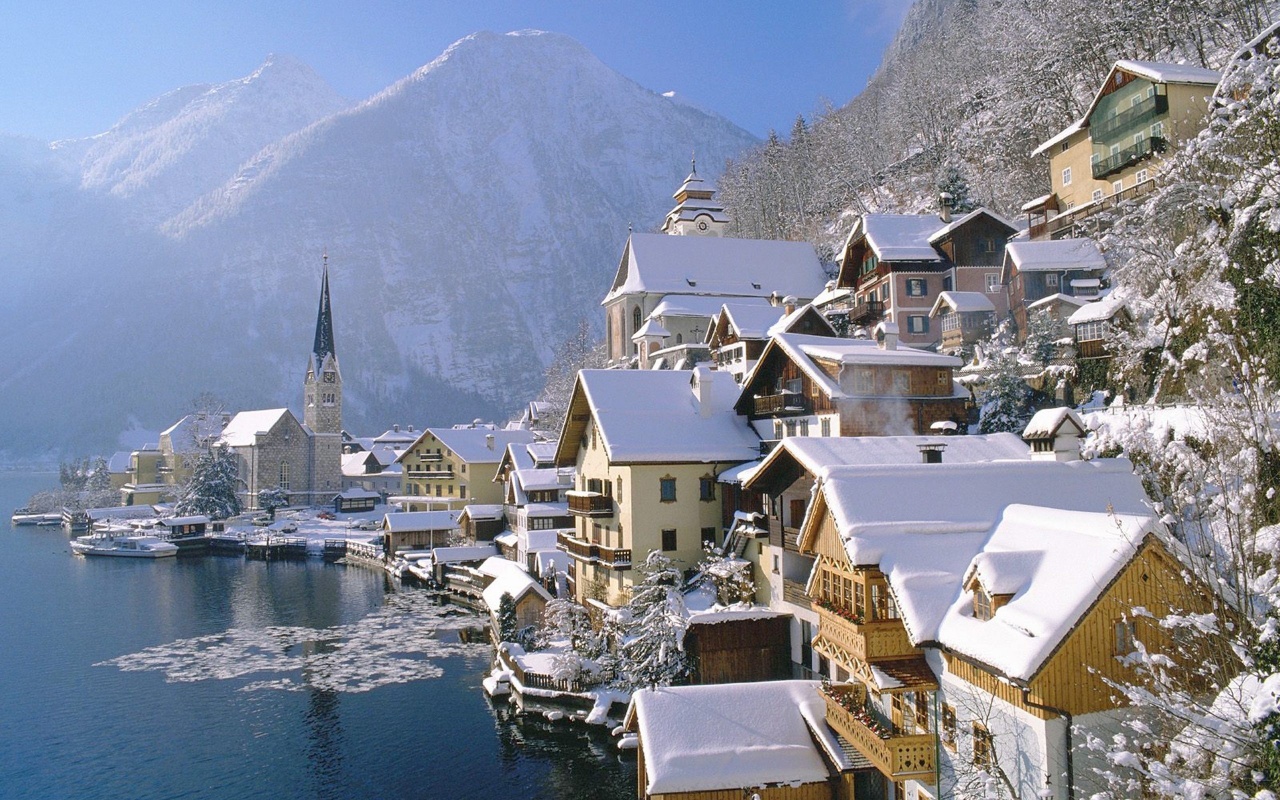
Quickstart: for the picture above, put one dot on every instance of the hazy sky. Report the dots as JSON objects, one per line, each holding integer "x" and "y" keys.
{"x": 70, "y": 69}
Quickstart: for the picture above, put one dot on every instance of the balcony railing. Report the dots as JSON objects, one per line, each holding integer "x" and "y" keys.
{"x": 430, "y": 473}
{"x": 865, "y": 641}
{"x": 897, "y": 755}
{"x": 869, "y": 311}
{"x": 783, "y": 536}
{"x": 782, "y": 403}
{"x": 1067, "y": 219}
{"x": 426, "y": 457}
{"x": 1143, "y": 112}
{"x": 1129, "y": 156}
{"x": 581, "y": 550}
{"x": 590, "y": 504}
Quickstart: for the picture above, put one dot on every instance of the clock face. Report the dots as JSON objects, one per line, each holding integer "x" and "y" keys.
{"x": 329, "y": 377}
{"x": 702, "y": 224}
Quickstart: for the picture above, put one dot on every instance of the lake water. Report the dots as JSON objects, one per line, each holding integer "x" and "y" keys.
{"x": 215, "y": 677}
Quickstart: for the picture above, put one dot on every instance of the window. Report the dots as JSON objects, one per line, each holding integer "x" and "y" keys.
{"x": 864, "y": 381}
{"x": 791, "y": 427}
{"x": 993, "y": 282}
{"x": 667, "y": 488}
{"x": 983, "y": 747}
{"x": 1065, "y": 147}
{"x": 1051, "y": 280}
{"x": 619, "y": 489}
{"x": 916, "y": 287}
{"x": 1094, "y": 159}
{"x": 709, "y": 537}
{"x": 679, "y": 338}
{"x": 284, "y": 475}
{"x": 944, "y": 377}
{"x": 824, "y": 426}
{"x": 1125, "y": 638}
{"x": 1117, "y": 187}
{"x": 947, "y": 283}
{"x": 1091, "y": 331}
{"x": 917, "y": 323}
{"x": 462, "y": 491}
{"x": 439, "y": 489}
{"x": 884, "y": 292}
{"x": 706, "y": 489}
{"x": 1157, "y": 130}
{"x": 988, "y": 245}
{"x": 1097, "y": 195}
{"x": 981, "y": 604}
{"x": 777, "y": 429}
{"x": 1141, "y": 177}
{"x": 1139, "y": 138}
{"x": 901, "y": 382}
{"x": 635, "y": 319}
{"x": 922, "y": 711}
{"x": 1066, "y": 176}
{"x": 948, "y": 727}
{"x": 669, "y": 540}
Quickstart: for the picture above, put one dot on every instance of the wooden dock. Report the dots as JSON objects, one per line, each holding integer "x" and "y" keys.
{"x": 275, "y": 548}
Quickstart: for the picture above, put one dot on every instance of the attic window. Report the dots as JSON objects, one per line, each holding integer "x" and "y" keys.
{"x": 1042, "y": 446}
{"x": 981, "y": 603}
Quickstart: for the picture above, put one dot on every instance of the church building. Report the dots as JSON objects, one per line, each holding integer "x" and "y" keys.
{"x": 274, "y": 449}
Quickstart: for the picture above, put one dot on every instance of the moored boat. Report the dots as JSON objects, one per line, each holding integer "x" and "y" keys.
{"x": 25, "y": 516}
{"x": 123, "y": 546}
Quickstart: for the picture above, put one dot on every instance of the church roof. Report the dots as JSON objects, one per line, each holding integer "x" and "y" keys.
{"x": 324, "y": 323}
{"x": 245, "y": 426}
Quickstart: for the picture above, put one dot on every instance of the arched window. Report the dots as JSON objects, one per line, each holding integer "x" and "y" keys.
{"x": 635, "y": 320}
{"x": 284, "y": 475}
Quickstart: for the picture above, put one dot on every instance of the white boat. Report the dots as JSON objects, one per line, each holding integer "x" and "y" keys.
{"x": 123, "y": 546}
{"x": 25, "y": 516}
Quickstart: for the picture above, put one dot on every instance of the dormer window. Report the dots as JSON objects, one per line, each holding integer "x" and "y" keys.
{"x": 981, "y": 603}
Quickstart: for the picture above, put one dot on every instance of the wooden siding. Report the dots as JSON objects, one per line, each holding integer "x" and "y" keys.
{"x": 923, "y": 380}
{"x": 737, "y": 651}
{"x": 880, "y": 417}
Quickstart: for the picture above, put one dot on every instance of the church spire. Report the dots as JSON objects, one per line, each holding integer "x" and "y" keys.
{"x": 324, "y": 321}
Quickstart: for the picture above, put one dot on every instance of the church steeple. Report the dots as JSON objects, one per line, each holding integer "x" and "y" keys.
{"x": 324, "y": 321}
{"x": 696, "y": 212}
{"x": 322, "y": 390}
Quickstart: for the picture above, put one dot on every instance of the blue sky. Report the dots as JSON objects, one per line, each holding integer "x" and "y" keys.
{"x": 70, "y": 69}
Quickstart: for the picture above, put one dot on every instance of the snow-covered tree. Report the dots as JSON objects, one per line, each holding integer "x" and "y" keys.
{"x": 952, "y": 182}
{"x": 1005, "y": 398}
{"x": 581, "y": 350}
{"x": 652, "y": 651}
{"x": 211, "y": 491}
{"x": 271, "y": 498}
{"x": 730, "y": 576}
{"x": 507, "y": 622}
{"x": 99, "y": 478}
{"x": 569, "y": 621}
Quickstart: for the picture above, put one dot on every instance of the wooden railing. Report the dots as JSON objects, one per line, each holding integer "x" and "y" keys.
{"x": 867, "y": 641}
{"x": 867, "y": 311}
{"x": 590, "y": 504}
{"x": 783, "y": 403}
{"x": 612, "y": 557}
{"x": 539, "y": 680}
{"x": 783, "y": 536}
{"x": 1069, "y": 218}
{"x": 1129, "y": 156}
{"x": 896, "y": 755}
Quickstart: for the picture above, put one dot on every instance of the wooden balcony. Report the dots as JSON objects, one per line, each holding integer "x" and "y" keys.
{"x": 590, "y": 504}
{"x": 781, "y": 404}
{"x": 867, "y": 641}
{"x": 783, "y": 536}
{"x": 586, "y": 552}
{"x": 430, "y": 473}
{"x": 430, "y": 457}
{"x": 866, "y": 312}
{"x": 899, "y": 756}
{"x": 793, "y": 592}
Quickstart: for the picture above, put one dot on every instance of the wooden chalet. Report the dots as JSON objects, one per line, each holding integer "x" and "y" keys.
{"x": 1036, "y": 270}
{"x": 964, "y": 318}
{"x": 823, "y": 386}
{"x": 739, "y": 332}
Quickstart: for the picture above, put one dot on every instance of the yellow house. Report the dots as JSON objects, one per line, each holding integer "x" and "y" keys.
{"x": 144, "y": 484}
{"x": 648, "y": 446}
{"x": 1115, "y": 150}
{"x": 971, "y": 628}
{"x": 449, "y": 468}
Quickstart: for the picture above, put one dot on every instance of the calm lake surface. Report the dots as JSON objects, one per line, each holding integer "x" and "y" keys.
{"x": 214, "y": 677}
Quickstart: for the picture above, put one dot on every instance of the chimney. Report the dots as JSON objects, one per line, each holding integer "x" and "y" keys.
{"x": 1054, "y": 435}
{"x": 773, "y": 299}
{"x": 945, "y": 203}
{"x": 887, "y": 335}
{"x": 395, "y": 428}
{"x": 931, "y": 453}
{"x": 701, "y": 382}
{"x": 410, "y": 429}
{"x": 789, "y": 304}
{"x": 488, "y": 441}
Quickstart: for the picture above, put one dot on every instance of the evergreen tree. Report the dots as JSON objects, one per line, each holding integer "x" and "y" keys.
{"x": 271, "y": 498}
{"x": 1005, "y": 398}
{"x": 653, "y": 639}
{"x": 507, "y": 622}
{"x": 212, "y": 488}
{"x": 730, "y": 576}
{"x": 99, "y": 478}
{"x": 953, "y": 182}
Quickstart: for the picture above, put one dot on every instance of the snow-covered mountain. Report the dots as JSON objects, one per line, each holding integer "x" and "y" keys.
{"x": 473, "y": 213}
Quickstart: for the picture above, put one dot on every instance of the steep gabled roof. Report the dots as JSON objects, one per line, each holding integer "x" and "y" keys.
{"x": 900, "y": 237}
{"x": 1054, "y": 255}
{"x": 962, "y": 303}
{"x": 959, "y": 222}
{"x": 713, "y": 265}
{"x": 244, "y": 427}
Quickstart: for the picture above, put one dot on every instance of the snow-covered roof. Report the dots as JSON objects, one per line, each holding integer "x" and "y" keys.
{"x": 456, "y": 555}
{"x": 788, "y": 321}
{"x": 1032, "y": 205}
{"x": 901, "y": 237}
{"x": 1046, "y": 423}
{"x": 715, "y": 265}
{"x": 192, "y": 433}
{"x": 551, "y": 559}
{"x": 821, "y": 454}
{"x": 472, "y": 445}
{"x": 120, "y": 461}
{"x": 1099, "y": 311}
{"x": 1057, "y": 138}
{"x": 508, "y": 578}
{"x": 864, "y": 351}
{"x": 654, "y": 416}
{"x": 963, "y": 303}
{"x": 244, "y": 427}
{"x": 683, "y": 305}
{"x": 924, "y": 541}
{"x": 358, "y": 494}
{"x": 199, "y": 519}
{"x": 730, "y": 736}
{"x": 739, "y": 474}
{"x": 478, "y": 511}
{"x": 694, "y": 183}
{"x": 1056, "y": 564}
{"x": 752, "y": 321}
{"x": 1057, "y": 298}
{"x": 651, "y": 327}
{"x": 421, "y": 521}
{"x": 1055, "y": 255}
{"x": 1169, "y": 73}
{"x": 958, "y": 222}
{"x": 397, "y": 435}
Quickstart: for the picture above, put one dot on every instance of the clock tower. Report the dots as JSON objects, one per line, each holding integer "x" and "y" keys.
{"x": 322, "y": 390}
{"x": 696, "y": 213}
